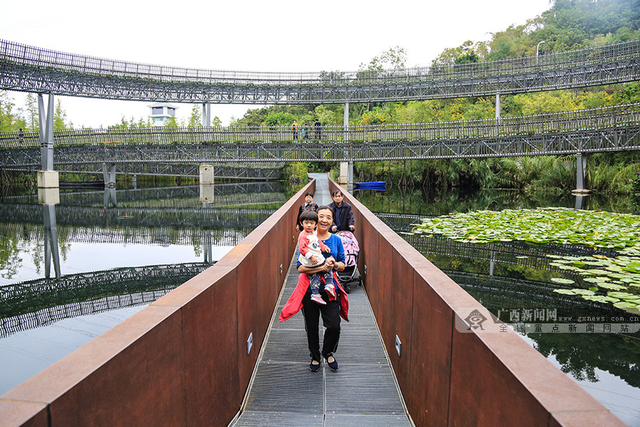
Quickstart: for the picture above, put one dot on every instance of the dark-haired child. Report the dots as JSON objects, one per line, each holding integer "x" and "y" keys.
{"x": 311, "y": 249}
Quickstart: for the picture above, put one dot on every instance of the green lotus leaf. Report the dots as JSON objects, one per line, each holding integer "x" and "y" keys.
{"x": 599, "y": 298}
{"x": 628, "y": 306}
{"x": 565, "y": 291}
{"x": 612, "y": 286}
{"x": 621, "y": 295}
{"x": 562, "y": 280}
{"x": 633, "y": 267}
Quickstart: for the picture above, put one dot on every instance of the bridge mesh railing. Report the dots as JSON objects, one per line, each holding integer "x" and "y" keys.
{"x": 31, "y": 56}
{"x": 619, "y": 116}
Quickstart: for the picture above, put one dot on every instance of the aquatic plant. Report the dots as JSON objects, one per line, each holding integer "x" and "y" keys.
{"x": 613, "y": 278}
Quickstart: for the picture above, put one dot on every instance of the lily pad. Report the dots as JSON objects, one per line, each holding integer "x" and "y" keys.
{"x": 562, "y": 280}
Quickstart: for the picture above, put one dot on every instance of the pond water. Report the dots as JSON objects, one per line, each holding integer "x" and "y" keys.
{"x": 116, "y": 251}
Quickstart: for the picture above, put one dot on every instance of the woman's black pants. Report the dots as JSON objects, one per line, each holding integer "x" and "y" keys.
{"x": 331, "y": 320}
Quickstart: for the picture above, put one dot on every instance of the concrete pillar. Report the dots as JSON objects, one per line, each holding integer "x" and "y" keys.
{"x": 498, "y": 108}
{"x": 48, "y": 179}
{"x": 206, "y": 183}
{"x": 580, "y": 172}
{"x": 344, "y": 173}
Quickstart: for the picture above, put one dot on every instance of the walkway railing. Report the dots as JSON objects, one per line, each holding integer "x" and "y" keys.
{"x": 619, "y": 116}
{"x": 33, "y": 69}
{"x": 32, "y": 56}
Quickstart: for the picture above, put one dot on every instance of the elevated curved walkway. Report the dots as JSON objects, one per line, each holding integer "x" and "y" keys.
{"x": 33, "y": 69}
{"x": 607, "y": 129}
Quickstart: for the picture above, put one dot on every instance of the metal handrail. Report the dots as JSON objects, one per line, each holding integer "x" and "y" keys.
{"x": 31, "y": 56}
{"x": 571, "y": 121}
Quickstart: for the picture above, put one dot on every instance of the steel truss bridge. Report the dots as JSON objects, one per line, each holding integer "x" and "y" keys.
{"x": 33, "y": 69}
{"x": 586, "y": 131}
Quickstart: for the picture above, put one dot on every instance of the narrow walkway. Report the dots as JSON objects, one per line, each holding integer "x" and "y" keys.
{"x": 363, "y": 392}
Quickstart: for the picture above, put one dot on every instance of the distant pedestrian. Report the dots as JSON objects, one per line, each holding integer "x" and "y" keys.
{"x": 294, "y": 129}
{"x": 305, "y": 131}
{"x": 20, "y": 136}
{"x": 317, "y": 127}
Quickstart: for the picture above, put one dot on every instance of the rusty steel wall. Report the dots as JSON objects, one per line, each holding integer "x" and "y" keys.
{"x": 183, "y": 360}
{"x": 452, "y": 378}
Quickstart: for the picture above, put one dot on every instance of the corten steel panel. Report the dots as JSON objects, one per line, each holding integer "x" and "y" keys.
{"x": 484, "y": 393}
{"x": 128, "y": 357}
{"x": 370, "y": 260}
{"x": 27, "y": 414}
{"x": 212, "y": 386}
{"x": 386, "y": 283}
{"x": 249, "y": 273}
{"x": 556, "y": 392}
{"x": 401, "y": 320}
{"x": 426, "y": 390}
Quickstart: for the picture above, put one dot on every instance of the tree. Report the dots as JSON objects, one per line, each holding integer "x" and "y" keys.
{"x": 195, "y": 119}
{"x": 7, "y": 118}
{"x": 60, "y": 118}
{"x": 31, "y": 114}
{"x": 171, "y": 122}
{"x": 387, "y": 63}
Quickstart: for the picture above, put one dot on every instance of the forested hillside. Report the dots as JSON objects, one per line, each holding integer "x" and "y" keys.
{"x": 567, "y": 25}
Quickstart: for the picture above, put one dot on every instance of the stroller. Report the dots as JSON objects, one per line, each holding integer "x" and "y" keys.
{"x": 351, "y": 251}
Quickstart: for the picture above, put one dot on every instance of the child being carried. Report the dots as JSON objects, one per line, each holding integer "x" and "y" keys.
{"x": 311, "y": 249}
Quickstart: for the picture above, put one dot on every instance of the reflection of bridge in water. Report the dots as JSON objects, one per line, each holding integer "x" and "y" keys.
{"x": 41, "y": 302}
{"x": 187, "y": 196}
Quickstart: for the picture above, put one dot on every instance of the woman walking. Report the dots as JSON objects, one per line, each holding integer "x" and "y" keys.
{"x": 334, "y": 308}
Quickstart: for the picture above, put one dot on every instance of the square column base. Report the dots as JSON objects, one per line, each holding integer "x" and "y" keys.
{"x": 206, "y": 175}
{"x": 48, "y": 179}
{"x": 48, "y": 196}
{"x": 206, "y": 193}
{"x": 344, "y": 173}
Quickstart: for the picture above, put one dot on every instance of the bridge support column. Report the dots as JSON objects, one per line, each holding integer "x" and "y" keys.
{"x": 498, "y": 108}
{"x": 109, "y": 175}
{"x": 47, "y": 177}
{"x": 206, "y": 115}
{"x": 206, "y": 183}
{"x": 581, "y": 164}
{"x": 49, "y": 198}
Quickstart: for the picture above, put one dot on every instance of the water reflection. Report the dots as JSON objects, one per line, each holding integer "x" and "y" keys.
{"x": 77, "y": 263}
{"x": 423, "y": 203}
{"x": 36, "y": 303}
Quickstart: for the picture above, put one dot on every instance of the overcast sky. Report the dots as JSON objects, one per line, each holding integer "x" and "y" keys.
{"x": 248, "y": 35}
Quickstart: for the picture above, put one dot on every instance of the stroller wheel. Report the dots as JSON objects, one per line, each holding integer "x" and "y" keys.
{"x": 347, "y": 288}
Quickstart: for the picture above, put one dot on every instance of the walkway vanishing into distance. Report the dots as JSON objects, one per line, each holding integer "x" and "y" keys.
{"x": 37, "y": 70}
